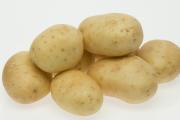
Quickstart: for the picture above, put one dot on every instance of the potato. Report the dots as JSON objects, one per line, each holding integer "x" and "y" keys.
{"x": 113, "y": 34}
{"x": 58, "y": 48}
{"x": 99, "y": 57}
{"x": 164, "y": 56}
{"x": 77, "y": 93}
{"x": 130, "y": 78}
{"x": 85, "y": 62}
{"x": 23, "y": 81}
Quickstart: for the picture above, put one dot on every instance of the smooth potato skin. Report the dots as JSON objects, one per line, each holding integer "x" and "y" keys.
{"x": 86, "y": 60}
{"x": 130, "y": 78}
{"x": 113, "y": 34}
{"x": 23, "y": 81}
{"x": 77, "y": 93}
{"x": 164, "y": 56}
{"x": 58, "y": 48}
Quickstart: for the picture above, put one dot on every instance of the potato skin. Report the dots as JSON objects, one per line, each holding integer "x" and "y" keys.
{"x": 85, "y": 62}
{"x": 164, "y": 56}
{"x": 77, "y": 93}
{"x": 113, "y": 34}
{"x": 130, "y": 78}
{"x": 58, "y": 48}
{"x": 23, "y": 81}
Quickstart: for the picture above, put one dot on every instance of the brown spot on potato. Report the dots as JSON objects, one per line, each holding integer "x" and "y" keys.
{"x": 52, "y": 36}
{"x": 32, "y": 48}
{"x": 169, "y": 62}
{"x": 34, "y": 90}
{"x": 62, "y": 49}
{"x": 65, "y": 59}
{"x": 56, "y": 56}
{"x": 74, "y": 49}
{"x": 79, "y": 68}
{"x": 148, "y": 92}
{"x": 82, "y": 103}
{"x": 115, "y": 42}
{"x": 126, "y": 30}
{"x": 112, "y": 22}
{"x": 90, "y": 98}
{"x": 134, "y": 40}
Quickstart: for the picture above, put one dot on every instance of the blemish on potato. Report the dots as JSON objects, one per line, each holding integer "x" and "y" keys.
{"x": 34, "y": 90}
{"x": 62, "y": 49}
{"x": 45, "y": 42}
{"x": 65, "y": 59}
{"x": 52, "y": 36}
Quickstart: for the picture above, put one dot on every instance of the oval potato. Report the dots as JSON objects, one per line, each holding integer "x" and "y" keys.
{"x": 113, "y": 34}
{"x": 23, "y": 81}
{"x": 130, "y": 78}
{"x": 164, "y": 56}
{"x": 77, "y": 93}
{"x": 58, "y": 48}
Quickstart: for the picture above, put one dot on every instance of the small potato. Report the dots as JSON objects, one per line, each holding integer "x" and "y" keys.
{"x": 113, "y": 34}
{"x": 23, "y": 81}
{"x": 58, "y": 48}
{"x": 130, "y": 78}
{"x": 164, "y": 56}
{"x": 77, "y": 93}
{"x": 85, "y": 62}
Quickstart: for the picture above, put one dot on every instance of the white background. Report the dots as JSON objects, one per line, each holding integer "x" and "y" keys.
{"x": 22, "y": 20}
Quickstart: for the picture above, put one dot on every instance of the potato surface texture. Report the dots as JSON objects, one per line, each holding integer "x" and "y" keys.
{"x": 85, "y": 62}
{"x": 58, "y": 48}
{"x": 130, "y": 78}
{"x": 23, "y": 81}
{"x": 77, "y": 93}
{"x": 113, "y": 34}
{"x": 164, "y": 56}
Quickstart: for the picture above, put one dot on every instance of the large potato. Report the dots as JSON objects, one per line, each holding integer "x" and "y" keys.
{"x": 58, "y": 48}
{"x": 130, "y": 78}
{"x": 85, "y": 62}
{"x": 23, "y": 81}
{"x": 112, "y": 34}
{"x": 164, "y": 56}
{"x": 77, "y": 93}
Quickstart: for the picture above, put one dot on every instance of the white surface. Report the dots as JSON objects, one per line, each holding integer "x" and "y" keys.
{"x": 22, "y": 20}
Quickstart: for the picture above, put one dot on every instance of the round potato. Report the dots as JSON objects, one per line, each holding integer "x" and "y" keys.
{"x": 130, "y": 78}
{"x": 85, "y": 62}
{"x": 58, "y": 48}
{"x": 23, "y": 81}
{"x": 164, "y": 56}
{"x": 77, "y": 93}
{"x": 111, "y": 34}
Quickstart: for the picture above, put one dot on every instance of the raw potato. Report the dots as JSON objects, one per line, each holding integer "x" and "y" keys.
{"x": 85, "y": 62}
{"x": 58, "y": 48}
{"x": 112, "y": 34}
{"x": 77, "y": 93}
{"x": 164, "y": 56}
{"x": 99, "y": 57}
{"x": 130, "y": 78}
{"x": 23, "y": 81}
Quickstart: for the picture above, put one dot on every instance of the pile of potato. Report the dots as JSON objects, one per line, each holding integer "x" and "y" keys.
{"x": 78, "y": 66}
